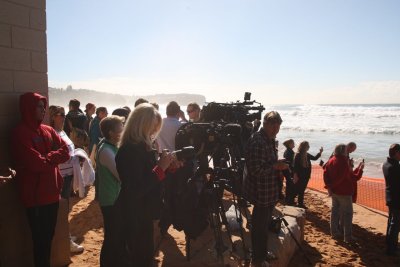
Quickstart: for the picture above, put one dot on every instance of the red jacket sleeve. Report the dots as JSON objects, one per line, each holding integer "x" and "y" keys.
{"x": 357, "y": 174}
{"x": 26, "y": 156}
{"x": 60, "y": 155}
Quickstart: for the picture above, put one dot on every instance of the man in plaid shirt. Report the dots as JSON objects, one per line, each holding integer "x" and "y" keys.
{"x": 260, "y": 182}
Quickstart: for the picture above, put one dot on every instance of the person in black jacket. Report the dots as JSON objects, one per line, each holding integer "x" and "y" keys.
{"x": 140, "y": 172}
{"x": 75, "y": 117}
{"x": 289, "y": 158}
{"x": 302, "y": 171}
{"x": 391, "y": 171}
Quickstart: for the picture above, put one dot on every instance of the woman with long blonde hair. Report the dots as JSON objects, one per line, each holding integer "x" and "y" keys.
{"x": 302, "y": 171}
{"x": 140, "y": 171}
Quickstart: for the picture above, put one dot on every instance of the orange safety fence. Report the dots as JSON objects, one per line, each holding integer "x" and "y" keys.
{"x": 370, "y": 191}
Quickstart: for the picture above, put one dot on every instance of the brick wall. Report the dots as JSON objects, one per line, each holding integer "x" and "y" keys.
{"x": 23, "y": 60}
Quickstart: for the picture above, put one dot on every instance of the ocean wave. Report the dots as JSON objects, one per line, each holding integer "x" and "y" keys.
{"x": 341, "y": 130}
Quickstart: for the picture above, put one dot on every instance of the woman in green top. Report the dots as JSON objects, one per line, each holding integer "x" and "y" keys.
{"x": 108, "y": 186}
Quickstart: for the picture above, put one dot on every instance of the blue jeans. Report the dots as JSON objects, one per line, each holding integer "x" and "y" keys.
{"x": 392, "y": 232}
{"x": 342, "y": 211}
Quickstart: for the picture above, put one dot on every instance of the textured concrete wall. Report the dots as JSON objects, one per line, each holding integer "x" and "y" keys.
{"x": 23, "y": 60}
{"x": 23, "y": 68}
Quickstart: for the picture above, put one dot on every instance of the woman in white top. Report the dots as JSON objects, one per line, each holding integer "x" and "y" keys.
{"x": 57, "y": 118}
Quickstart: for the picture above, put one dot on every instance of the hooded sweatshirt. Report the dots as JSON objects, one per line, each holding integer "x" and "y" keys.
{"x": 339, "y": 176}
{"x": 37, "y": 150}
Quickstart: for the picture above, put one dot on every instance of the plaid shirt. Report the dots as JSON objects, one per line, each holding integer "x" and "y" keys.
{"x": 260, "y": 180}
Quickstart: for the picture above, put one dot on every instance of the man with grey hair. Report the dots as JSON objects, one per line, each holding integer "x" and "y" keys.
{"x": 260, "y": 182}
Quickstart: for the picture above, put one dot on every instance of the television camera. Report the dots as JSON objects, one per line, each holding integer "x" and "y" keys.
{"x": 221, "y": 136}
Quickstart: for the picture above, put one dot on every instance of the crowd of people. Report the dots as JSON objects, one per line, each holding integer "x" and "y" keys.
{"x": 132, "y": 157}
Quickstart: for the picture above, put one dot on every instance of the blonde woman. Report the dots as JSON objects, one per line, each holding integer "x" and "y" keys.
{"x": 302, "y": 171}
{"x": 57, "y": 119}
{"x": 140, "y": 172}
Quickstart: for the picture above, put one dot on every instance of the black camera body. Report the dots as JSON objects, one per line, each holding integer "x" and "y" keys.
{"x": 206, "y": 137}
{"x": 187, "y": 152}
{"x": 234, "y": 112}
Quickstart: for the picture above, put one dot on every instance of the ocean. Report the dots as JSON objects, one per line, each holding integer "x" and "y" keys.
{"x": 372, "y": 127}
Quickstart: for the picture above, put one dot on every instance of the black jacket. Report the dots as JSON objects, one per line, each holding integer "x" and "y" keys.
{"x": 140, "y": 186}
{"x": 391, "y": 171}
{"x": 77, "y": 119}
{"x": 304, "y": 172}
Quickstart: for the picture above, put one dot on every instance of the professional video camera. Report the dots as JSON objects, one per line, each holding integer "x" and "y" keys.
{"x": 234, "y": 112}
{"x": 220, "y": 136}
{"x": 207, "y": 137}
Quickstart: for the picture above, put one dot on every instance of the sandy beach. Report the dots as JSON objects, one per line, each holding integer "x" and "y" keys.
{"x": 369, "y": 228}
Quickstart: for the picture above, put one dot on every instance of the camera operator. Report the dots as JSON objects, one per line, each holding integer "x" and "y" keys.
{"x": 260, "y": 182}
{"x": 170, "y": 125}
{"x": 140, "y": 175}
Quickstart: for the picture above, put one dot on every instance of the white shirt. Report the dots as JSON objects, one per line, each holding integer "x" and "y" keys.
{"x": 166, "y": 137}
{"x": 66, "y": 168}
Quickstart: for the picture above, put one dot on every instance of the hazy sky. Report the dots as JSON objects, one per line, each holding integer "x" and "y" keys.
{"x": 284, "y": 51}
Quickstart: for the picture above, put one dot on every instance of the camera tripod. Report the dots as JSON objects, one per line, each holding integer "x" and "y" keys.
{"x": 213, "y": 192}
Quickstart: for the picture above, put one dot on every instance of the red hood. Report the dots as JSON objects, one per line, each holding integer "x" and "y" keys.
{"x": 27, "y": 106}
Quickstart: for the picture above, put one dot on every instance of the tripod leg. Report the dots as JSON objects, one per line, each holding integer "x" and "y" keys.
{"x": 215, "y": 224}
{"x": 239, "y": 219}
{"x": 296, "y": 241}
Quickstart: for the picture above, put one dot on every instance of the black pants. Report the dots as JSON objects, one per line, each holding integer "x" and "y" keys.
{"x": 113, "y": 251}
{"x": 261, "y": 218}
{"x": 140, "y": 241}
{"x": 42, "y": 221}
{"x": 393, "y": 228}
{"x": 299, "y": 189}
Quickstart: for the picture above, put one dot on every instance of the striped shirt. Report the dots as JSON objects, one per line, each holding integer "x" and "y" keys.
{"x": 66, "y": 168}
{"x": 260, "y": 180}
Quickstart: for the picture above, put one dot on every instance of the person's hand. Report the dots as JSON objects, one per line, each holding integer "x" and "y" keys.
{"x": 321, "y": 150}
{"x": 165, "y": 160}
{"x": 295, "y": 178}
{"x": 175, "y": 164}
{"x": 181, "y": 115}
{"x": 361, "y": 165}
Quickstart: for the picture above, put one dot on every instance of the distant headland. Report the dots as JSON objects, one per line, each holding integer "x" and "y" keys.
{"x": 61, "y": 97}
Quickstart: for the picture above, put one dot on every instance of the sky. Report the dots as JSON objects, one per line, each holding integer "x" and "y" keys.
{"x": 283, "y": 51}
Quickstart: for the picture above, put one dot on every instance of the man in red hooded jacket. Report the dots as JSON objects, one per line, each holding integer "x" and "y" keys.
{"x": 339, "y": 179}
{"x": 37, "y": 150}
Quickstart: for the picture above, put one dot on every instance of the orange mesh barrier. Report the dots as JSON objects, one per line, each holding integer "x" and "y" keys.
{"x": 370, "y": 191}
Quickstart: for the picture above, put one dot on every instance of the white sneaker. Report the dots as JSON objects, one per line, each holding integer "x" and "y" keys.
{"x": 75, "y": 248}
{"x": 73, "y": 238}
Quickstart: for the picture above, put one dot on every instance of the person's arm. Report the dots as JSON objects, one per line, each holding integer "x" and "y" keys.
{"x": 26, "y": 156}
{"x": 256, "y": 162}
{"x": 297, "y": 166}
{"x": 61, "y": 152}
{"x": 107, "y": 159}
{"x": 311, "y": 157}
{"x": 135, "y": 173}
{"x": 358, "y": 172}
